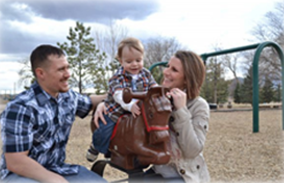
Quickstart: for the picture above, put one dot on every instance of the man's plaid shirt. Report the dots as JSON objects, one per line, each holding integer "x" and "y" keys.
{"x": 122, "y": 79}
{"x": 40, "y": 124}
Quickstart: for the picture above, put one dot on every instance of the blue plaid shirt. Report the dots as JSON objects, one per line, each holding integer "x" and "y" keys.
{"x": 41, "y": 124}
{"x": 122, "y": 79}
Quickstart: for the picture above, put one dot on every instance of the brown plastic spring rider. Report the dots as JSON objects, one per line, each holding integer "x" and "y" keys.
{"x": 139, "y": 142}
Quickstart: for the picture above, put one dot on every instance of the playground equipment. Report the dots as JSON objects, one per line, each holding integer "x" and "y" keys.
{"x": 139, "y": 142}
{"x": 142, "y": 140}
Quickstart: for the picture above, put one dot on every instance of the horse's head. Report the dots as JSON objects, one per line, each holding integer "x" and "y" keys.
{"x": 155, "y": 103}
{"x": 156, "y": 110}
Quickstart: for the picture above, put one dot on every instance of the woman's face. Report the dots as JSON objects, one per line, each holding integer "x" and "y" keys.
{"x": 173, "y": 74}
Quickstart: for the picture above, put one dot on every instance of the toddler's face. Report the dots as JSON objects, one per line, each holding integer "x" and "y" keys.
{"x": 131, "y": 60}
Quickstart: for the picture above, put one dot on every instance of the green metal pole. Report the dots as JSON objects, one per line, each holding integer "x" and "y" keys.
{"x": 157, "y": 64}
{"x": 255, "y": 89}
{"x": 255, "y": 82}
{"x": 204, "y": 56}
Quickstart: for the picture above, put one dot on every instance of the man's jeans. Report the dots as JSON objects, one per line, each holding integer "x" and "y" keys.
{"x": 84, "y": 176}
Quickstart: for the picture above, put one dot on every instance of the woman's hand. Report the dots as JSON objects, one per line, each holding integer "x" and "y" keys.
{"x": 179, "y": 98}
{"x": 100, "y": 111}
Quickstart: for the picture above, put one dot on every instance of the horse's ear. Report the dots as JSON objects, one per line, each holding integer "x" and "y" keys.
{"x": 165, "y": 90}
{"x": 127, "y": 95}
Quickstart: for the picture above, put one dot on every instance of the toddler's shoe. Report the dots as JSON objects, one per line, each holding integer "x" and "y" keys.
{"x": 92, "y": 154}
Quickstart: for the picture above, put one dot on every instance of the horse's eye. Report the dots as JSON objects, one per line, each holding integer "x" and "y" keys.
{"x": 150, "y": 115}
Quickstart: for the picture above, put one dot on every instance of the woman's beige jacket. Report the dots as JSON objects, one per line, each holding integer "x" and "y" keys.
{"x": 189, "y": 126}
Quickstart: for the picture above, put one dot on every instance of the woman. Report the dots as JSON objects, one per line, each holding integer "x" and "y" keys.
{"x": 188, "y": 123}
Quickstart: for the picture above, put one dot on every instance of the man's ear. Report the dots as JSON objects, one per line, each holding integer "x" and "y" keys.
{"x": 39, "y": 73}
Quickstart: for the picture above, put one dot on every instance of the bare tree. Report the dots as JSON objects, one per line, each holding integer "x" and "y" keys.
{"x": 271, "y": 28}
{"x": 268, "y": 64}
{"x": 231, "y": 64}
{"x": 229, "y": 61}
{"x": 25, "y": 73}
{"x": 107, "y": 40}
{"x": 160, "y": 49}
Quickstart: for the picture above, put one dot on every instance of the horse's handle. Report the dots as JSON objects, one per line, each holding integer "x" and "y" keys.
{"x": 128, "y": 95}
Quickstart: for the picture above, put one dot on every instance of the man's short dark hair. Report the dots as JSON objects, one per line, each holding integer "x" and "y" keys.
{"x": 41, "y": 53}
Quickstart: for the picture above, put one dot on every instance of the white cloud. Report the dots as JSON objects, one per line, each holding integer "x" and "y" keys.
{"x": 201, "y": 24}
{"x": 196, "y": 24}
{"x": 12, "y": 57}
{"x": 9, "y": 77}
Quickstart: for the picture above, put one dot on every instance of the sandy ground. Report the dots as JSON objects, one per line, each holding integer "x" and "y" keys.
{"x": 233, "y": 153}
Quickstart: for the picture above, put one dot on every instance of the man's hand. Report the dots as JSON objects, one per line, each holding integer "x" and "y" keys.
{"x": 20, "y": 164}
{"x": 100, "y": 111}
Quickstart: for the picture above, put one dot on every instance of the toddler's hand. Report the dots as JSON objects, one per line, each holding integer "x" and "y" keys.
{"x": 135, "y": 110}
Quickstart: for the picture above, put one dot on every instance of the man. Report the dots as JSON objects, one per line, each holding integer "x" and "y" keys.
{"x": 35, "y": 127}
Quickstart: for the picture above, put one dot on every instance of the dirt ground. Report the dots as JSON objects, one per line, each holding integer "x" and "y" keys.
{"x": 232, "y": 151}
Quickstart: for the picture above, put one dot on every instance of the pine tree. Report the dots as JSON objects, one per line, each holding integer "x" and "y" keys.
{"x": 237, "y": 94}
{"x": 278, "y": 94}
{"x": 85, "y": 59}
{"x": 247, "y": 88}
{"x": 215, "y": 88}
{"x": 223, "y": 92}
{"x": 267, "y": 91}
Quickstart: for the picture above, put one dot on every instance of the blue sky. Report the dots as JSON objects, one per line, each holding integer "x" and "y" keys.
{"x": 198, "y": 25}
